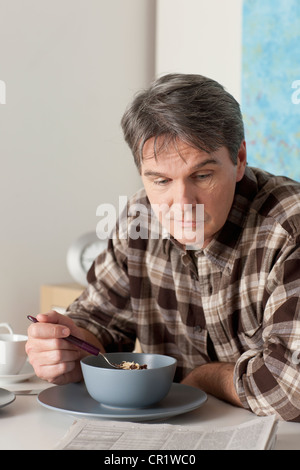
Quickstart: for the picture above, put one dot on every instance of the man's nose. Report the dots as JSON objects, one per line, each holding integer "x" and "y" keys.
{"x": 184, "y": 195}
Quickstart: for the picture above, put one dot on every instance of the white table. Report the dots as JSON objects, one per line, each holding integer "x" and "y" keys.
{"x": 25, "y": 424}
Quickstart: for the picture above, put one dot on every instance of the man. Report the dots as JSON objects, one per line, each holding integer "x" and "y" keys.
{"x": 226, "y": 306}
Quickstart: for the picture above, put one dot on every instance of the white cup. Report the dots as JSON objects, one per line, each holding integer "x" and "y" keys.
{"x": 12, "y": 351}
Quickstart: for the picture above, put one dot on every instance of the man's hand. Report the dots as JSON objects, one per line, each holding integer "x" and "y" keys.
{"x": 215, "y": 378}
{"x": 53, "y": 358}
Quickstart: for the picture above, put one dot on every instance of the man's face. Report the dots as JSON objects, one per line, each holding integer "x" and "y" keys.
{"x": 181, "y": 178}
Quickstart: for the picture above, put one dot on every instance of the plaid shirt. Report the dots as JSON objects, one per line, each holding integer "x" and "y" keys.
{"x": 235, "y": 301}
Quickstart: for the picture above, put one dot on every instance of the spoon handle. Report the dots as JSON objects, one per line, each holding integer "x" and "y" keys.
{"x": 90, "y": 348}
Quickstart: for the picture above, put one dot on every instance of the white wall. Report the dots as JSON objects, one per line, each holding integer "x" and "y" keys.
{"x": 70, "y": 68}
{"x": 201, "y": 36}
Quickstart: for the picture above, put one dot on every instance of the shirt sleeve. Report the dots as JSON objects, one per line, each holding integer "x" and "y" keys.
{"x": 104, "y": 308}
{"x": 268, "y": 380}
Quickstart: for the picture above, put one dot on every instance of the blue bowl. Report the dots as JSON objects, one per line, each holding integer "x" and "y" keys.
{"x": 137, "y": 388}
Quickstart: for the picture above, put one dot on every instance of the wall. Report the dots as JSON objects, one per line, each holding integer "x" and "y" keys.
{"x": 70, "y": 68}
{"x": 200, "y": 36}
{"x": 252, "y": 48}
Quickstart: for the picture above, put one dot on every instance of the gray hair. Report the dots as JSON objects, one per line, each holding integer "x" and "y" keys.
{"x": 188, "y": 107}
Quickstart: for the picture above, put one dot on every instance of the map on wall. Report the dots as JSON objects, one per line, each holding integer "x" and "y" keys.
{"x": 271, "y": 85}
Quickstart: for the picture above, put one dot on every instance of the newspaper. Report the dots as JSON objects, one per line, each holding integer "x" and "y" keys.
{"x": 88, "y": 434}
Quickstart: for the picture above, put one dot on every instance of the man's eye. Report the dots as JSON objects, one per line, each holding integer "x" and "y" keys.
{"x": 161, "y": 181}
{"x": 203, "y": 177}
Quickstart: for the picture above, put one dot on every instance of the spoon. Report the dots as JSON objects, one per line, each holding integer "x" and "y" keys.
{"x": 90, "y": 348}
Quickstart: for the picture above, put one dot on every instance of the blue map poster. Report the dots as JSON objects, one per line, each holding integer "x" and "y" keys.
{"x": 271, "y": 85}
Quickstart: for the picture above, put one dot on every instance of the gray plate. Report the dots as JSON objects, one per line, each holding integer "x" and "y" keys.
{"x": 74, "y": 399}
{"x": 6, "y": 397}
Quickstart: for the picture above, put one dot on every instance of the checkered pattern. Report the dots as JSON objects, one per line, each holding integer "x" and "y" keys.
{"x": 235, "y": 301}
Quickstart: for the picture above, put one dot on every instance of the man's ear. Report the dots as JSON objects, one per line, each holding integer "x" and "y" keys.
{"x": 241, "y": 161}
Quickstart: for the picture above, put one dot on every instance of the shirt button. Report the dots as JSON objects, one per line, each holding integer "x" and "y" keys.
{"x": 197, "y": 329}
{"x": 185, "y": 259}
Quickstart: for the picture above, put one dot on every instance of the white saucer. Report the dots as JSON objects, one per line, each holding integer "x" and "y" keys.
{"x": 25, "y": 373}
{"x": 6, "y": 397}
{"x": 74, "y": 399}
